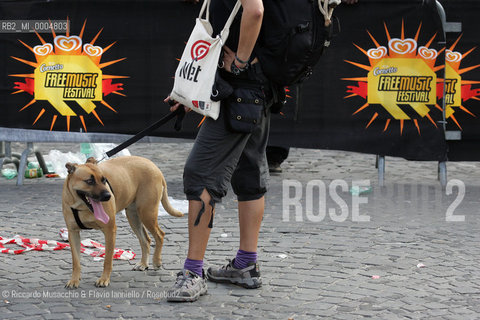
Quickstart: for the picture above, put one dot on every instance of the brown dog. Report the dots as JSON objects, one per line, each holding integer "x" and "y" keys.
{"x": 97, "y": 192}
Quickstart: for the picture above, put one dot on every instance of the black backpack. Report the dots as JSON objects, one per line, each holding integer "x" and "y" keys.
{"x": 292, "y": 39}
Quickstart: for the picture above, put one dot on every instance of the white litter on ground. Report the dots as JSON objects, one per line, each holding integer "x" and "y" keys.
{"x": 98, "y": 150}
{"x": 58, "y": 159}
{"x": 180, "y": 205}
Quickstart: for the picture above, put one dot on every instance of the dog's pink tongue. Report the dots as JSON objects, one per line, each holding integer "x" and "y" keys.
{"x": 99, "y": 212}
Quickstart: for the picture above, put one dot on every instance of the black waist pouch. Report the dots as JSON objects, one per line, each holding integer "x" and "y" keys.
{"x": 244, "y": 109}
{"x": 221, "y": 88}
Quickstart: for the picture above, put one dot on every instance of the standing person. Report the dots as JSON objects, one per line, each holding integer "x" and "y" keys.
{"x": 220, "y": 156}
{"x": 276, "y": 155}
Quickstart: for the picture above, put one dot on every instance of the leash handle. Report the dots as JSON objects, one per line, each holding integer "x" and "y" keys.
{"x": 180, "y": 117}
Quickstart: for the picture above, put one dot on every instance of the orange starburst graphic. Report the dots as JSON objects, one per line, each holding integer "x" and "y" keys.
{"x": 68, "y": 70}
{"x": 401, "y": 78}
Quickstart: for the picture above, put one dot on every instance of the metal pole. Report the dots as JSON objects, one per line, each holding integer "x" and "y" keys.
{"x": 443, "y": 19}
{"x": 381, "y": 170}
{"x": 442, "y": 165}
{"x": 23, "y": 163}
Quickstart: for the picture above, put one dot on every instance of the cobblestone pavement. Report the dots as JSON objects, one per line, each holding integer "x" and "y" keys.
{"x": 405, "y": 251}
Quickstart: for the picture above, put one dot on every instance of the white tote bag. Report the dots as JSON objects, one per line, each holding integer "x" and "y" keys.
{"x": 195, "y": 73}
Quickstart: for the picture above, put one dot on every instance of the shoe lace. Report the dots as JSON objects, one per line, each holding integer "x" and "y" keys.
{"x": 184, "y": 280}
{"x": 229, "y": 265}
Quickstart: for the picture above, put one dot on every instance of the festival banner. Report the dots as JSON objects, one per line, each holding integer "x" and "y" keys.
{"x": 67, "y": 69}
{"x": 401, "y": 78}
{"x": 379, "y": 88}
{"x": 379, "y": 85}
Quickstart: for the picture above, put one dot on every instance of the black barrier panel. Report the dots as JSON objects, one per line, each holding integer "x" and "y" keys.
{"x": 467, "y": 117}
{"x": 326, "y": 119}
{"x": 346, "y": 105}
{"x": 150, "y": 35}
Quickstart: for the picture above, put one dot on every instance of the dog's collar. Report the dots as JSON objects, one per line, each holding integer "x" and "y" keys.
{"x": 77, "y": 219}
{"x": 111, "y": 189}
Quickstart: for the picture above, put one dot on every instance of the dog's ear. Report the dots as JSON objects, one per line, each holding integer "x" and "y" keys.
{"x": 91, "y": 160}
{"x": 70, "y": 167}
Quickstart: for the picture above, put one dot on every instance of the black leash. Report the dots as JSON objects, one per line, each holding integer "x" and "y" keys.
{"x": 179, "y": 113}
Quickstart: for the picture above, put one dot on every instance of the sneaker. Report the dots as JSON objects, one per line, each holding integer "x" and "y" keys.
{"x": 248, "y": 278}
{"x": 188, "y": 287}
{"x": 274, "y": 167}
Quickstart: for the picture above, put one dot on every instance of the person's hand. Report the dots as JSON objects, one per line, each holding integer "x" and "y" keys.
{"x": 176, "y": 105}
{"x": 228, "y": 58}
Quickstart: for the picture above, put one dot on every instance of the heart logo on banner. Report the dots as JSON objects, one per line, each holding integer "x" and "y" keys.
{"x": 377, "y": 53}
{"x": 44, "y": 50}
{"x": 71, "y": 43}
{"x": 427, "y": 54}
{"x": 93, "y": 51}
{"x": 400, "y": 46}
{"x": 453, "y": 56}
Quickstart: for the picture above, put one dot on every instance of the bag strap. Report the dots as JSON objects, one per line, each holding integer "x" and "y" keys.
{"x": 229, "y": 22}
{"x": 206, "y": 3}
{"x": 226, "y": 28}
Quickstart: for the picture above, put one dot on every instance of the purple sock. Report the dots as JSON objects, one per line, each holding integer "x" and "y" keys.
{"x": 194, "y": 266}
{"x": 243, "y": 258}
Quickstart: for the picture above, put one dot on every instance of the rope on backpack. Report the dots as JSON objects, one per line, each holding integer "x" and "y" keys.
{"x": 326, "y": 8}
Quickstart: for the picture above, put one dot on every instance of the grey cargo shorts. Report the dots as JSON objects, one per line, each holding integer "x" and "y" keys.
{"x": 220, "y": 157}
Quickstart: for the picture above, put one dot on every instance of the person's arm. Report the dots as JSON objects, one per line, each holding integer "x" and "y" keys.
{"x": 249, "y": 30}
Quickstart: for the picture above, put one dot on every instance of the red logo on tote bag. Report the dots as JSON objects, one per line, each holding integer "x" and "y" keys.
{"x": 199, "y": 50}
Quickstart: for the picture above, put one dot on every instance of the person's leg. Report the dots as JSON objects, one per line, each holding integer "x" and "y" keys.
{"x": 250, "y": 215}
{"x": 198, "y": 235}
{"x": 244, "y": 269}
{"x": 275, "y": 157}
{"x": 190, "y": 283}
{"x": 249, "y": 182}
{"x": 277, "y": 154}
{"x": 207, "y": 173}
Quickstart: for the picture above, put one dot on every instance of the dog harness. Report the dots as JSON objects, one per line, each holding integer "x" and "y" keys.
{"x": 77, "y": 218}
